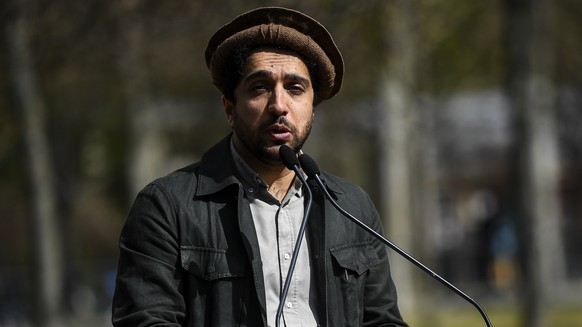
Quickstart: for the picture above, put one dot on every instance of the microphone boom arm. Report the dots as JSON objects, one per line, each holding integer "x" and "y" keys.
{"x": 402, "y": 252}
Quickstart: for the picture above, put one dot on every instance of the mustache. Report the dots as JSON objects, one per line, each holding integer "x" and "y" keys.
{"x": 280, "y": 120}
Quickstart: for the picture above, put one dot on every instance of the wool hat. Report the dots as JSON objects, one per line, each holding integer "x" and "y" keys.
{"x": 279, "y": 26}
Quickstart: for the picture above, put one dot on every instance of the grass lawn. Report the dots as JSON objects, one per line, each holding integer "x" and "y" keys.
{"x": 507, "y": 316}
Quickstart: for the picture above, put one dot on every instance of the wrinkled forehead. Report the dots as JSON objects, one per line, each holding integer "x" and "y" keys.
{"x": 278, "y": 64}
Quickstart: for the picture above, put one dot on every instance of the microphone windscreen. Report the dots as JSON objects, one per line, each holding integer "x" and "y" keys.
{"x": 309, "y": 166}
{"x": 288, "y": 157}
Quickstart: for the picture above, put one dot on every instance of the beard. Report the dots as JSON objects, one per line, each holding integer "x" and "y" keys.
{"x": 264, "y": 149}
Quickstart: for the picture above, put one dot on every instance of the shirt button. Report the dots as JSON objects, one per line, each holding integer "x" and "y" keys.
{"x": 289, "y": 305}
{"x": 286, "y": 256}
{"x": 251, "y": 190}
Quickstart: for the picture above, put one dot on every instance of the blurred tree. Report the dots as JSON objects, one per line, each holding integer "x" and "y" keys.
{"x": 30, "y": 103}
{"x": 531, "y": 88}
{"x": 399, "y": 110}
{"x": 146, "y": 146}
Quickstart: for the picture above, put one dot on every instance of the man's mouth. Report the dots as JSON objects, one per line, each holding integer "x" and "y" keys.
{"x": 280, "y": 132}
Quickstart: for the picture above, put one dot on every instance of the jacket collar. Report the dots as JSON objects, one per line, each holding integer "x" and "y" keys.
{"x": 331, "y": 185}
{"x": 217, "y": 169}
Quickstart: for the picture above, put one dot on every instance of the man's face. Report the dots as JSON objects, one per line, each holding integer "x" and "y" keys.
{"x": 274, "y": 105}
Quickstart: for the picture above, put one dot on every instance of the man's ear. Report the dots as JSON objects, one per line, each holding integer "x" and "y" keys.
{"x": 228, "y": 110}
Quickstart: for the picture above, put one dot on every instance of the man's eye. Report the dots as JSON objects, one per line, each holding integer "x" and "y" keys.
{"x": 296, "y": 88}
{"x": 258, "y": 87}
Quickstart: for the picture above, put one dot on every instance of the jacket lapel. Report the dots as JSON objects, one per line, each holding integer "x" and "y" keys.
{"x": 217, "y": 172}
{"x": 316, "y": 239}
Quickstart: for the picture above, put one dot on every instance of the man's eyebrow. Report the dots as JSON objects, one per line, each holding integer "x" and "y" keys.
{"x": 299, "y": 78}
{"x": 265, "y": 73}
{"x": 257, "y": 75}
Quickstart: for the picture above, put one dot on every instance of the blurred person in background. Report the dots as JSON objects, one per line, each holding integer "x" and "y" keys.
{"x": 210, "y": 244}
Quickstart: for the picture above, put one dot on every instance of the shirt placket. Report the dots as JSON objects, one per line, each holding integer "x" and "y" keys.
{"x": 286, "y": 236}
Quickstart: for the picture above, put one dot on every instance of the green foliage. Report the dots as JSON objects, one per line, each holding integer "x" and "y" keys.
{"x": 462, "y": 45}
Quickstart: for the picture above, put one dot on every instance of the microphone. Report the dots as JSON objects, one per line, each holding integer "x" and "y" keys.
{"x": 290, "y": 161}
{"x": 312, "y": 171}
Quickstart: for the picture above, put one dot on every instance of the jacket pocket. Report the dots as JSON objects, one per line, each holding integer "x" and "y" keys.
{"x": 352, "y": 262}
{"x": 210, "y": 264}
{"x": 356, "y": 258}
{"x": 218, "y": 288}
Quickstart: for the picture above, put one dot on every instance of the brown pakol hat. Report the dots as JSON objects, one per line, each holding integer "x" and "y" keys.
{"x": 279, "y": 27}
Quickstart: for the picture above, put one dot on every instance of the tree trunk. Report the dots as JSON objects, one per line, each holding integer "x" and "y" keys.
{"x": 47, "y": 290}
{"x": 532, "y": 93}
{"x": 398, "y": 105}
{"x": 147, "y": 150}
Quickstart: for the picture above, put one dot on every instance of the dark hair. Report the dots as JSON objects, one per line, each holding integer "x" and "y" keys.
{"x": 239, "y": 57}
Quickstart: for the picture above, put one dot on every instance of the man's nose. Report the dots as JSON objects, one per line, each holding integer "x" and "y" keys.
{"x": 278, "y": 101}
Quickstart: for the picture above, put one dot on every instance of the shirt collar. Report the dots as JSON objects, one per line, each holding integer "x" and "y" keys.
{"x": 256, "y": 186}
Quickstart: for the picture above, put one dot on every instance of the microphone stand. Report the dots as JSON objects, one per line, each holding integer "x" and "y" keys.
{"x": 311, "y": 169}
{"x": 291, "y": 162}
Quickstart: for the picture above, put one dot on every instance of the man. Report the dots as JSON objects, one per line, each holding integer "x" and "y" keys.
{"x": 210, "y": 244}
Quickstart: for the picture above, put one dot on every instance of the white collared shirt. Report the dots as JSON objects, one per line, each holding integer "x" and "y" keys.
{"x": 277, "y": 225}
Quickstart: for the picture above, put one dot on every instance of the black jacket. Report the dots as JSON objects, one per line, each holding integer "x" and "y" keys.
{"x": 190, "y": 257}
